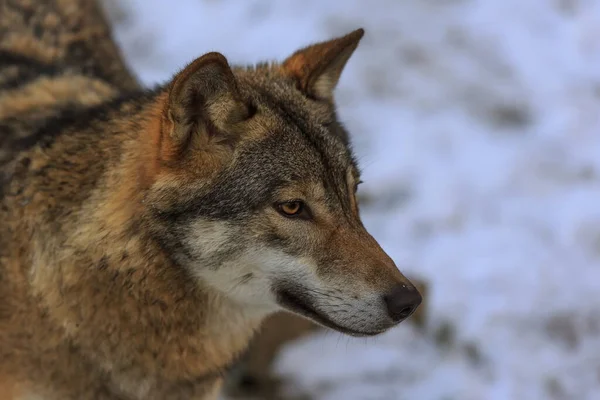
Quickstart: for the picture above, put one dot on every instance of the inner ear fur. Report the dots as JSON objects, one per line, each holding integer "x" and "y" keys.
{"x": 317, "y": 68}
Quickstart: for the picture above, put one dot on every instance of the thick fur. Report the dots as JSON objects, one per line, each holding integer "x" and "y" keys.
{"x": 142, "y": 240}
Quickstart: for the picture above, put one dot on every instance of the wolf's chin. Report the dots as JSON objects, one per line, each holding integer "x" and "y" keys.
{"x": 301, "y": 305}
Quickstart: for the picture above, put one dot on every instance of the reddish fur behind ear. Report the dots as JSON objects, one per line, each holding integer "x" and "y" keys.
{"x": 195, "y": 122}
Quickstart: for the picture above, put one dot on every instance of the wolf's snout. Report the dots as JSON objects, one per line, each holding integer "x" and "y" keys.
{"x": 401, "y": 302}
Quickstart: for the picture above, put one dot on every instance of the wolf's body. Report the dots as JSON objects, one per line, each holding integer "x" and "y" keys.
{"x": 144, "y": 235}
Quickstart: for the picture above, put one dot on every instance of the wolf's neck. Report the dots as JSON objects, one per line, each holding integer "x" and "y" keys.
{"x": 126, "y": 305}
{"x": 120, "y": 298}
{"x": 135, "y": 312}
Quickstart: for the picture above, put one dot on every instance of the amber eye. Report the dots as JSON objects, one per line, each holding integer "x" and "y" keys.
{"x": 294, "y": 208}
{"x": 291, "y": 208}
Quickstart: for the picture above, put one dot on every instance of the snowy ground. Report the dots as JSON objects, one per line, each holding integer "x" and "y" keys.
{"x": 478, "y": 126}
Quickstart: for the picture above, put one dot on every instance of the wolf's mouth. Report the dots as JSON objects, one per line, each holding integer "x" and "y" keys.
{"x": 302, "y": 305}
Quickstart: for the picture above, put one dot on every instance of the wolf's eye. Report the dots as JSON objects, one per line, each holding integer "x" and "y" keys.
{"x": 293, "y": 209}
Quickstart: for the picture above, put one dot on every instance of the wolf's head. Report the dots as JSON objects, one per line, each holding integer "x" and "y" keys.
{"x": 252, "y": 189}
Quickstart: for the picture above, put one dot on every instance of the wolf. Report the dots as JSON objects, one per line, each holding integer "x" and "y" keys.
{"x": 146, "y": 233}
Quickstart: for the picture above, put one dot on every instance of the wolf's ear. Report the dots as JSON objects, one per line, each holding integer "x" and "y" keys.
{"x": 204, "y": 100}
{"x": 317, "y": 68}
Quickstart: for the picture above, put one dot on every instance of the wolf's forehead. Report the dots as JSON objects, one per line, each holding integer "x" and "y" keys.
{"x": 293, "y": 114}
{"x": 317, "y": 146}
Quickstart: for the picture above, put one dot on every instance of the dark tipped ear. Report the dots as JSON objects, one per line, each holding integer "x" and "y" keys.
{"x": 204, "y": 100}
{"x": 317, "y": 68}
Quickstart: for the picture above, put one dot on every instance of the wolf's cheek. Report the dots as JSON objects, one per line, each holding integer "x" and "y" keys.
{"x": 247, "y": 275}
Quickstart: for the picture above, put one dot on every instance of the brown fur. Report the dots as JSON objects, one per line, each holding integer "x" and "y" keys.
{"x": 72, "y": 34}
{"x": 141, "y": 244}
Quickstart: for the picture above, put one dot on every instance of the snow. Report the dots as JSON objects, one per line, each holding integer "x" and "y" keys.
{"x": 477, "y": 125}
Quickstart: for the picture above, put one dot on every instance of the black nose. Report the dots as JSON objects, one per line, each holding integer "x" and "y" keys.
{"x": 402, "y": 301}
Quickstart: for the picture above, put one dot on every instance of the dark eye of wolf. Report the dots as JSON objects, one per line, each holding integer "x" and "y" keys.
{"x": 293, "y": 209}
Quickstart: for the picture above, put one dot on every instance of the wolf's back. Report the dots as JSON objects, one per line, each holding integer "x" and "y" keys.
{"x": 58, "y": 35}
{"x": 56, "y": 57}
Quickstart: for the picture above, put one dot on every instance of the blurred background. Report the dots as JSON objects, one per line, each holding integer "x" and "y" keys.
{"x": 477, "y": 124}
